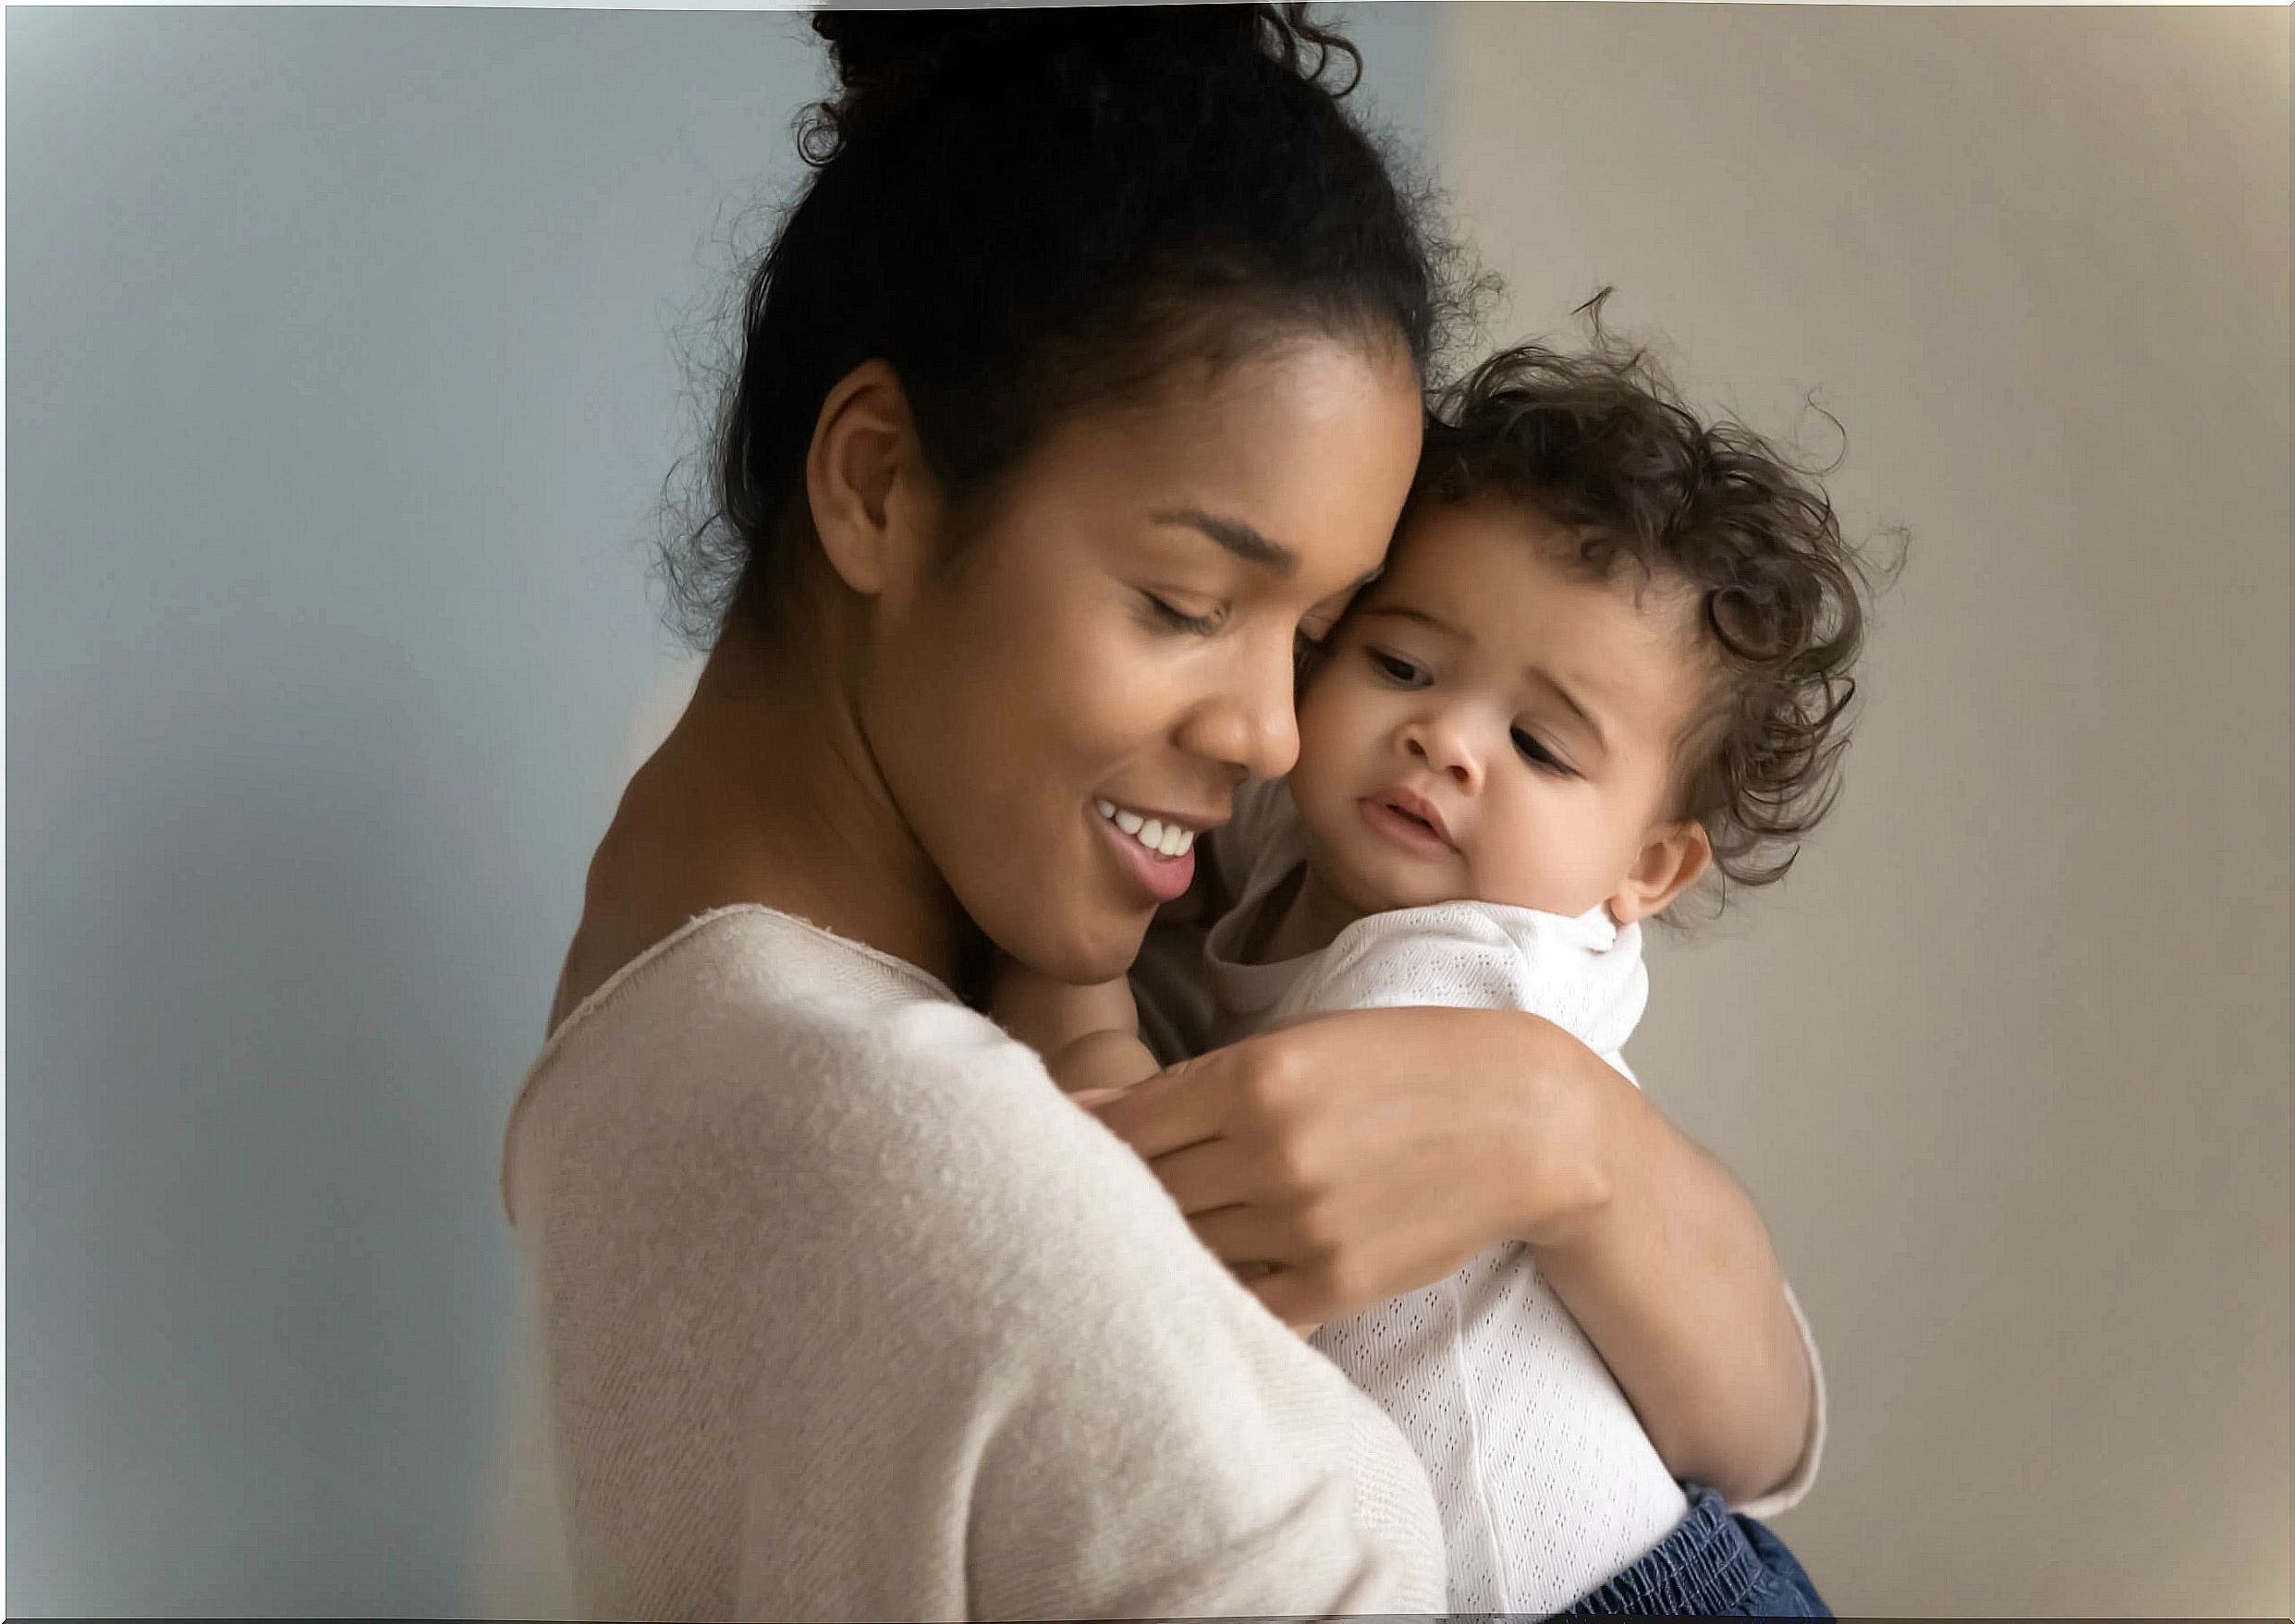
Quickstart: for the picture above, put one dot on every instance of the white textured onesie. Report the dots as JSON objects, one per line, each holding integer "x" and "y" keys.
{"x": 1546, "y": 1482}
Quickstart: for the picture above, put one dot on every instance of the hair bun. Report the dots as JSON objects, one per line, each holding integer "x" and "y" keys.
{"x": 886, "y": 59}
{"x": 874, "y": 50}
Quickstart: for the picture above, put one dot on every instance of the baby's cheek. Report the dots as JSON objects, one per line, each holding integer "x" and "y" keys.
{"x": 1327, "y": 728}
{"x": 1545, "y": 859}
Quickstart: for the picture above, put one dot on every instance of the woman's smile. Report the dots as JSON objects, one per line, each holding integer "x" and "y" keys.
{"x": 1159, "y": 855}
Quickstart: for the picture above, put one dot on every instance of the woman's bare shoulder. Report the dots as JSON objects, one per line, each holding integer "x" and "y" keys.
{"x": 632, "y": 901}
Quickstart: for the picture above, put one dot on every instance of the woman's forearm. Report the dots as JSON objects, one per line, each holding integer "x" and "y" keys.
{"x": 1670, "y": 1272}
{"x": 1372, "y": 1151}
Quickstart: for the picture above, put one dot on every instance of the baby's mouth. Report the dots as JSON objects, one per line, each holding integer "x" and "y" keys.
{"x": 1407, "y": 823}
{"x": 1415, "y": 810}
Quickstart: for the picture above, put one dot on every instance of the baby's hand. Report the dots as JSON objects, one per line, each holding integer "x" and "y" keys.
{"x": 1088, "y": 1036}
{"x": 1047, "y": 1015}
{"x": 1101, "y": 1064}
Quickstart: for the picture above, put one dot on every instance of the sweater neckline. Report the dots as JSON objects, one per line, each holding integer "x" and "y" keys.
{"x": 613, "y": 985}
{"x": 635, "y": 969}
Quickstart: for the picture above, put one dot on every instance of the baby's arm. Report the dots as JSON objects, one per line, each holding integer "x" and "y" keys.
{"x": 1101, "y": 1060}
{"x": 1089, "y": 1036}
{"x": 1673, "y": 1280}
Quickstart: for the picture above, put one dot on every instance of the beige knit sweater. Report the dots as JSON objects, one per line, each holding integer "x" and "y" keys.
{"x": 848, "y": 1314}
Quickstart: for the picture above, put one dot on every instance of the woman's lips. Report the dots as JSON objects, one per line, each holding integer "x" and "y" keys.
{"x": 1162, "y": 878}
{"x": 1391, "y": 817}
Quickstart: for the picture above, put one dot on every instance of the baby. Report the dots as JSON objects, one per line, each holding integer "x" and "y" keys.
{"x": 1608, "y": 657}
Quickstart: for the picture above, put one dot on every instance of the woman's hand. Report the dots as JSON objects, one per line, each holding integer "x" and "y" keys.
{"x": 1351, "y": 1157}
{"x": 1348, "y": 1158}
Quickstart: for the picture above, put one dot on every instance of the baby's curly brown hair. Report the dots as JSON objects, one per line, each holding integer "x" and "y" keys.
{"x": 1598, "y": 444}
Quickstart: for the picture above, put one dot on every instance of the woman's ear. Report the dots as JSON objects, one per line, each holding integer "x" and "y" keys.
{"x": 863, "y": 478}
{"x": 1673, "y": 857}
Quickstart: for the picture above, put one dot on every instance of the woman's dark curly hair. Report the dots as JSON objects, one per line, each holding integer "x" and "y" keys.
{"x": 1025, "y": 212}
{"x": 1599, "y": 446}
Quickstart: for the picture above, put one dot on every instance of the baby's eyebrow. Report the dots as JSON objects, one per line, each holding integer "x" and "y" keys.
{"x": 1435, "y": 622}
{"x": 1239, "y": 538}
{"x": 1593, "y": 726}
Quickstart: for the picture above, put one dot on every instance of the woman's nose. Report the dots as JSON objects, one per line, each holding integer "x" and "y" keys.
{"x": 1440, "y": 740}
{"x": 1251, "y": 724}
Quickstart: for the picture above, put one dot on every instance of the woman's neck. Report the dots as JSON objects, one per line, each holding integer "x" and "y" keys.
{"x": 766, "y": 792}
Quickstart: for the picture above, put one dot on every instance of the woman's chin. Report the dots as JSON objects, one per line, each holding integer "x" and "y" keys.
{"x": 1083, "y": 952}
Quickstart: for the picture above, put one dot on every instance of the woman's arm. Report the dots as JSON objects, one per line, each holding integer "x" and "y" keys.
{"x": 951, "y": 1349}
{"x": 1119, "y": 1430}
{"x": 1370, "y": 1152}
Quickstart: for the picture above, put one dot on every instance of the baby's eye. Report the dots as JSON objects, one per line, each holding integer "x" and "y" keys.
{"x": 1535, "y": 753}
{"x": 1395, "y": 668}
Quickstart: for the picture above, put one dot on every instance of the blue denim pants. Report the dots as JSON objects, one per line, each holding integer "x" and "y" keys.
{"x": 1712, "y": 1565}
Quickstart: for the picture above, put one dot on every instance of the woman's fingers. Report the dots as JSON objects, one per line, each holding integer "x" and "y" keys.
{"x": 1241, "y": 1237}
{"x": 1294, "y": 1295}
{"x": 1167, "y": 1112}
{"x": 1206, "y": 1176}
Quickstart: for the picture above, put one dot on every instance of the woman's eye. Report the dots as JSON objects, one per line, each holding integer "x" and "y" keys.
{"x": 1395, "y": 669}
{"x": 1535, "y": 753}
{"x": 1178, "y": 620}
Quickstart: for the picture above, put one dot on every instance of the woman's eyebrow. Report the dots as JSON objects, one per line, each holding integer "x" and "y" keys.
{"x": 1239, "y": 538}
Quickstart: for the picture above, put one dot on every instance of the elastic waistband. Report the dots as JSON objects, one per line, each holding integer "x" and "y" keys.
{"x": 1705, "y": 1566}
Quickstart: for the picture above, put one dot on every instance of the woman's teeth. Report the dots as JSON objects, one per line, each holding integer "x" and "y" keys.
{"x": 1164, "y": 839}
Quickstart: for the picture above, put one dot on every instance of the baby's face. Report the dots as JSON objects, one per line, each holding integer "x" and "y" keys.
{"x": 1488, "y": 726}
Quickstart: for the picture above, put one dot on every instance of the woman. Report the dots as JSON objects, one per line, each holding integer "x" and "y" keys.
{"x": 1083, "y": 378}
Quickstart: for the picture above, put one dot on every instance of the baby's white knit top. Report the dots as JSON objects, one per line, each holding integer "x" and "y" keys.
{"x": 1547, "y": 1484}
{"x": 846, "y": 1313}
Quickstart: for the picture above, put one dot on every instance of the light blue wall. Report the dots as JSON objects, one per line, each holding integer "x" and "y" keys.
{"x": 340, "y": 392}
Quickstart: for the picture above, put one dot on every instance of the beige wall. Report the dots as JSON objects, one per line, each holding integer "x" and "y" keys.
{"x": 2005, "y": 1062}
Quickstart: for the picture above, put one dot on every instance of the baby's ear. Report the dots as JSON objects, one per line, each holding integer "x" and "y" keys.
{"x": 1671, "y": 860}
